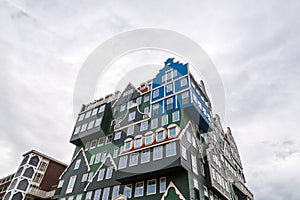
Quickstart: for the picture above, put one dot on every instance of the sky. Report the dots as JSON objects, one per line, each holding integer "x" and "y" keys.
{"x": 253, "y": 44}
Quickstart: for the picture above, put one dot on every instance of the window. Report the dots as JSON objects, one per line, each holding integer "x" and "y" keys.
{"x": 97, "y": 194}
{"x": 87, "y": 145}
{"x": 133, "y": 159}
{"x": 37, "y": 177}
{"x": 189, "y": 137}
{"x": 103, "y": 156}
{"x": 154, "y": 123}
{"x": 77, "y": 129}
{"x": 138, "y": 142}
{"x": 109, "y": 172}
{"x": 175, "y": 116}
{"x": 162, "y": 185}
{"x": 169, "y": 75}
{"x": 174, "y": 73}
{"x": 205, "y": 191}
{"x": 92, "y": 159}
{"x": 79, "y": 196}
{"x": 91, "y": 124}
{"x": 80, "y": 118}
{"x": 60, "y": 183}
{"x": 160, "y": 135}
{"x": 169, "y": 88}
{"x": 130, "y": 130}
{"x": 98, "y": 158}
{"x": 164, "y": 120}
{"x": 83, "y": 127}
{"x": 98, "y": 122}
{"x": 145, "y": 156}
{"x": 71, "y": 184}
{"x": 77, "y": 164}
{"x": 144, "y": 126}
{"x": 116, "y": 152}
{"x": 171, "y": 149}
{"x": 90, "y": 176}
{"x": 151, "y": 187}
{"x": 94, "y": 111}
{"x": 100, "y": 141}
{"x": 93, "y": 144}
{"x": 155, "y": 109}
{"x": 122, "y": 108}
{"x": 101, "y": 109}
{"x": 194, "y": 164}
{"x": 139, "y": 189}
{"x": 172, "y": 132}
{"x": 155, "y": 93}
{"x": 146, "y": 98}
{"x": 163, "y": 78}
{"x": 131, "y": 116}
{"x": 196, "y": 185}
{"x": 101, "y": 174}
{"x": 169, "y": 103}
{"x": 149, "y": 139}
{"x": 118, "y": 135}
{"x": 109, "y": 139}
{"x": 183, "y": 152}
{"x": 183, "y": 82}
{"x": 146, "y": 110}
{"x": 89, "y": 195}
{"x": 129, "y": 104}
{"x": 127, "y": 145}
{"x": 115, "y": 191}
{"x": 106, "y": 193}
{"x": 138, "y": 100}
{"x": 185, "y": 98}
{"x": 123, "y": 162}
{"x": 70, "y": 197}
{"x": 157, "y": 152}
{"x": 84, "y": 177}
{"x": 128, "y": 190}
{"x": 194, "y": 142}
{"x": 87, "y": 114}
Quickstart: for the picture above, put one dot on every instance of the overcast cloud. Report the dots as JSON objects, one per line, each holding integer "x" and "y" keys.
{"x": 254, "y": 45}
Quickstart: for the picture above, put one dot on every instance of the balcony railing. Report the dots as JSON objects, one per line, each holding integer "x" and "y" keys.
{"x": 41, "y": 193}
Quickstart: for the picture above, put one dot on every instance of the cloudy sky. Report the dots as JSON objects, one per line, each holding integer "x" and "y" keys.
{"x": 254, "y": 46}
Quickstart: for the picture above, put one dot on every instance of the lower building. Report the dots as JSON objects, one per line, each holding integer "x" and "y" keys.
{"x": 36, "y": 178}
{"x": 4, "y": 183}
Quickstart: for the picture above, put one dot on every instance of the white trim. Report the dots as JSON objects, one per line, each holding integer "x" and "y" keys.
{"x": 176, "y": 191}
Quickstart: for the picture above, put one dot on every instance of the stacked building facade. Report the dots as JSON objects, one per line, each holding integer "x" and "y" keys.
{"x": 157, "y": 141}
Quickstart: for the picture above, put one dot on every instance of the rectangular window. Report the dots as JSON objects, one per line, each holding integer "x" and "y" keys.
{"x": 169, "y": 88}
{"x": 97, "y": 194}
{"x": 130, "y": 130}
{"x": 80, "y": 118}
{"x": 138, "y": 100}
{"x": 185, "y": 98}
{"x": 151, "y": 187}
{"x": 101, "y": 174}
{"x": 196, "y": 185}
{"x": 174, "y": 73}
{"x": 108, "y": 139}
{"x": 183, "y": 82}
{"x": 134, "y": 158}
{"x": 98, "y": 158}
{"x": 60, "y": 183}
{"x": 83, "y": 127}
{"x": 79, "y": 196}
{"x": 98, "y": 122}
{"x": 77, "y": 164}
{"x": 76, "y": 131}
{"x": 92, "y": 159}
{"x": 144, "y": 126}
{"x": 122, "y": 108}
{"x": 154, "y": 123}
{"x": 129, "y": 104}
{"x": 87, "y": 114}
{"x": 155, "y": 108}
{"x": 95, "y": 111}
{"x": 155, "y": 93}
{"x": 87, "y": 145}
{"x": 116, "y": 152}
{"x": 170, "y": 103}
{"x": 160, "y": 136}
{"x": 106, "y": 193}
{"x": 172, "y": 132}
{"x": 146, "y": 98}
{"x": 194, "y": 164}
{"x": 169, "y": 75}
{"x": 101, "y": 109}
{"x": 171, "y": 149}
{"x": 145, "y": 156}
{"x": 103, "y": 156}
{"x": 146, "y": 110}
{"x": 139, "y": 189}
{"x": 89, "y": 195}
{"x": 93, "y": 144}
{"x": 138, "y": 142}
{"x": 183, "y": 152}
{"x": 157, "y": 153}
{"x": 131, "y": 116}
{"x": 70, "y": 197}
{"x": 71, "y": 184}
{"x": 149, "y": 139}
{"x": 90, "y": 176}
{"x": 84, "y": 177}
{"x": 115, "y": 192}
{"x": 109, "y": 172}
{"x": 164, "y": 120}
{"x": 101, "y": 141}
{"x": 91, "y": 125}
{"x": 123, "y": 162}
{"x": 128, "y": 190}
{"x": 175, "y": 116}
{"x": 162, "y": 184}
{"x": 118, "y": 135}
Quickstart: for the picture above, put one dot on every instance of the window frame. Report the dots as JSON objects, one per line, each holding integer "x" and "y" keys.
{"x": 148, "y": 185}
{"x": 139, "y": 188}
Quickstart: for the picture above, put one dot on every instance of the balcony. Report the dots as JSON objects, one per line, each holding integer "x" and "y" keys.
{"x": 41, "y": 193}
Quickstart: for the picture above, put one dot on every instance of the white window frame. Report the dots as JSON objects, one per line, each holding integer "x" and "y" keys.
{"x": 138, "y": 142}
{"x": 148, "y": 187}
{"x": 118, "y": 135}
{"x": 162, "y": 184}
{"x": 115, "y": 192}
{"x": 92, "y": 159}
{"x": 169, "y": 132}
{"x": 175, "y": 116}
{"x": 98, "y": 158}
{"x": 183, "y": 82}
{"x": 71, "y": 184}
{"x": 77, "y": 129}
{"x": 98, "y": 122}
{"x": 183, "y": 152}
{"x": 144, "y": 126}
{"x": 116, "y": 152}
{"x": 156, "y": 93}
{"x": 130, "y": 130}
{"x": 131, "y": 116}
{"x": 101, "y": 174}
{"x": 145, "y": 156}
{"x": 123, "y": 162}
{"x": 146, "y": 98}
{"x": 93, "y": 144}
{"x": 101, "y": 108}
{"x": 147, "y": 136}
{"x": 171, "y": 149}
{"x": 106, "y": 193}
{"x": 103, "y": 157}
{"x": 83, "y": 127}
{"x": 157, "y": 152}
{"x": 164, "y": 120}
{"x": 164, "y": 135}
{"x": 97, "y": 194}
{"x": 154, "y": 123}
{"x": 77, "y": 164}
{"x": 89, "y": 195}
{"x": 133, "y": 159}
{"x": 101, "y": 141}
{"x": 128, "y": 188}
{"x": 139, "y": 188}
{"x": 194, "y": 163}
{"x": 84, "y": 177}
{"x": 88, "y": 114}
{"x": 109, "y": 172}
{"x": 95, "y": 111}
{"x": 169, "y": 88}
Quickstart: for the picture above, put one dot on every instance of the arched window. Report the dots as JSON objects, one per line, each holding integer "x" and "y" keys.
{"x": 13, "y": 184}
{"x": 24, "y": 161}
{"x": 19, "y": 172}
{"x": 23, "y": 185}
{"x": 34, "y": 161}
{"x": 17, "y": 196}
{"x": 28, "y": 172}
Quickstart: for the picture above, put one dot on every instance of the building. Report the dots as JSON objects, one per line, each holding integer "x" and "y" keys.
{"x": 4, "y": 183}
{"x": 157, "y": 141}
{"x": 36, "y": 178}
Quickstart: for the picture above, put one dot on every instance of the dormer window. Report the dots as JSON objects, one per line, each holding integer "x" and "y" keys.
{"x": 149, "y": 138}
{"x": 138, "y": 141}
{"x": 160, "y": 135}
{"x": 173, "y": 129}
{"x": 128, "y": 144}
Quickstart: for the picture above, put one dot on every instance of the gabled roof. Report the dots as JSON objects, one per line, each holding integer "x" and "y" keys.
{"x": 44, "y": 156}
